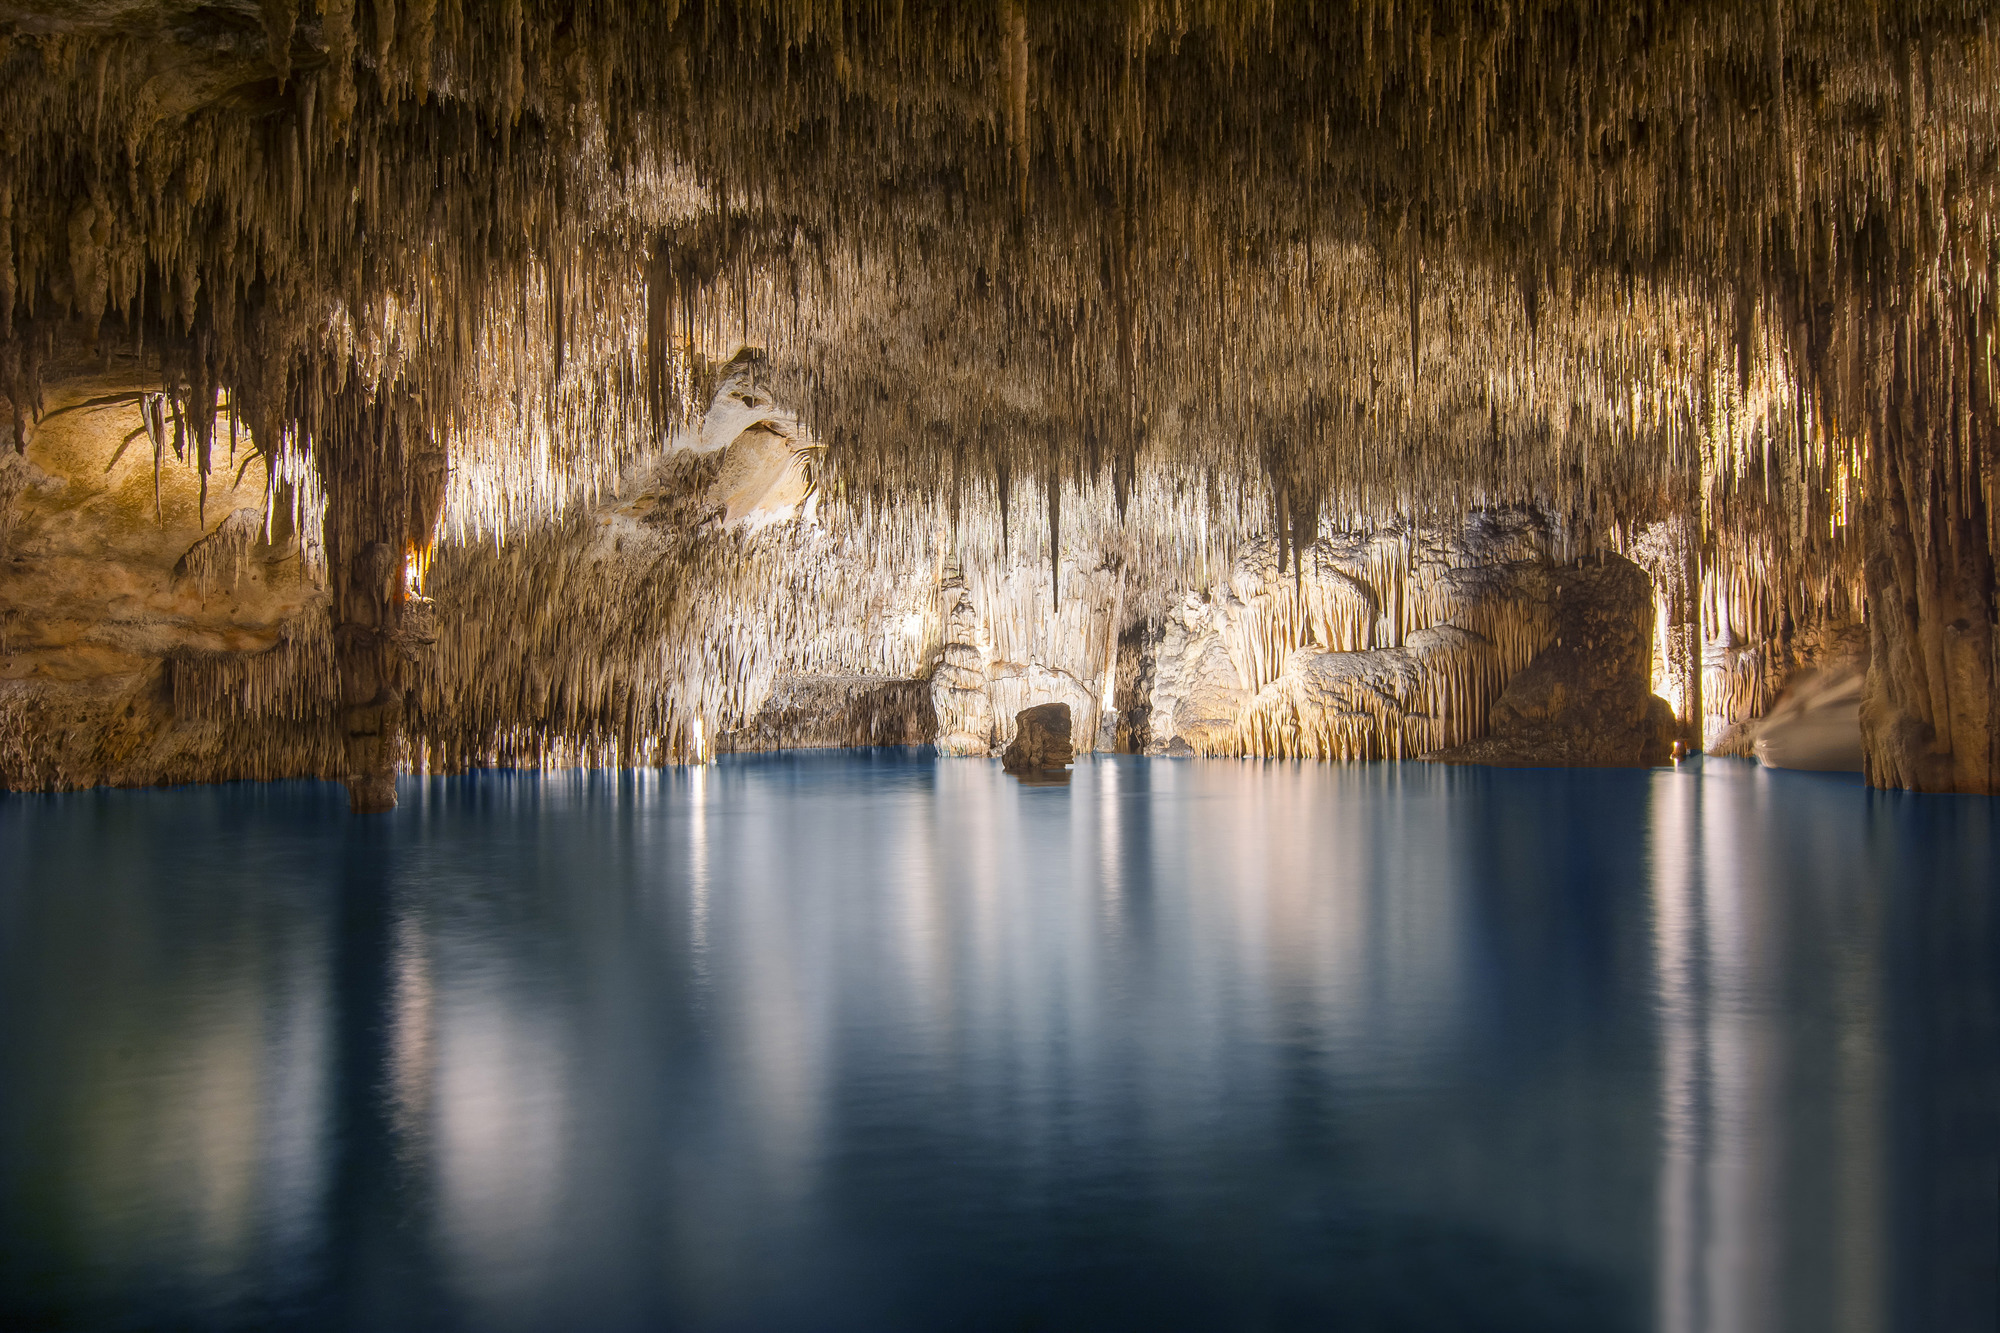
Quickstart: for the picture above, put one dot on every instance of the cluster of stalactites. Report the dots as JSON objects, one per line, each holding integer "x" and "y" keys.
{"x": 1046, "y": 161}
{"x": 652, "y": 628}
{"x": 294, "y": 679}
{"x": 1029, "y": 270}
{"x": 1678, "y": 234}
{"x": 376, "y": 191}
{"x": 1388, "y": 641}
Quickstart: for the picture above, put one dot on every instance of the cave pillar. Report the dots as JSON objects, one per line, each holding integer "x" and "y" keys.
{"x": 369, "y": 658}
{"x": 1670, "y": 552}
{"x": 1682, "y": 651}
{"x": 1928, "y": 710}
{"x": 384, "y": 489}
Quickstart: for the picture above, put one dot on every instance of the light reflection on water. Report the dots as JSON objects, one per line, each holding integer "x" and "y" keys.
{"x": 879, "y": 1041}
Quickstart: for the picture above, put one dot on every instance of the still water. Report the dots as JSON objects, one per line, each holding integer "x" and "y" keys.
{"x": 876, "y": 1041}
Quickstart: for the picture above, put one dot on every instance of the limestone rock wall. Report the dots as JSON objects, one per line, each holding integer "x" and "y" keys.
{"x": 647, "y": 629}
{"x": 1011, "y": 644}
{"x": 704, "y": 607}
{"x": 1387, "y": 641}
{"x": 1586, "y": 699}
{"x": 1816, "y": 722}
{"x": 1728, "y": 638}
{"x": 150, "y": 633}
{"x": 826, "y": 712}
{"x": 960, "y": 702}
{"x": 1826, "y": 648}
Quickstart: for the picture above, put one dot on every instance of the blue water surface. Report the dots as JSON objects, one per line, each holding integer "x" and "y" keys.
{"x": 871, "y": 1040}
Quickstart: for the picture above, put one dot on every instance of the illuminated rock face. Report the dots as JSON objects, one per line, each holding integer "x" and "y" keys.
{"x": 1788, "y": 666}
{"x": 1930, "y": 711}
{"x": 1010, "y": 644}
{"x": 1585, "y": 701}
{"x": 1377, "y": 642}
{"x": 121, "y": 596}
{"x": 960, "y": 701}
{"x": 1817, "y": 723}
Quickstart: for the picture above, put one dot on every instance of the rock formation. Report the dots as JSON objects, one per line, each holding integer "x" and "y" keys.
{"x": 1041, "y": 740}
{"x": 123, "y": 593}
{"x": 821, "y": 712}
{"x": 1012, "y": 641}
{"x": 603, "y": 366}
{"x": 1381, "y": 642}
{"x": 1586, "y": 699}
{"x": 1785, "y": 661}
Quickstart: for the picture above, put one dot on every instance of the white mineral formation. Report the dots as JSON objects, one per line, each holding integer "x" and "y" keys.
{"x": 1379, "y": 642}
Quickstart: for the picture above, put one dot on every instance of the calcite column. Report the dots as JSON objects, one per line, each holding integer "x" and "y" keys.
{"x": 1670, "y": 552}
{"x": 1928, "y": 712}
{"x": 384, "y": 487}
{"x": 368, "y": 607}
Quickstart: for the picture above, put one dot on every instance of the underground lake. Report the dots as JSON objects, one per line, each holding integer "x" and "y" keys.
{"x": 877, "y": 1040}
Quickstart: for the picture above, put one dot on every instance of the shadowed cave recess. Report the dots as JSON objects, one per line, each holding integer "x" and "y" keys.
{"x": 416, "y": 385}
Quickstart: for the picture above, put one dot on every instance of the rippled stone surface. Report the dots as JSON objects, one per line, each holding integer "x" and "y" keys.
{"x": 871, "y": 1040}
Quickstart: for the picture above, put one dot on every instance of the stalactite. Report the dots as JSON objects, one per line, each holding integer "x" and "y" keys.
{"x": 1054, "y": 488}
{"x": 1730, "y": 269}
{"x": 280, "y": 22}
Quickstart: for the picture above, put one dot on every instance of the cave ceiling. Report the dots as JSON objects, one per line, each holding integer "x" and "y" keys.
{"x": 1612, "y": 259}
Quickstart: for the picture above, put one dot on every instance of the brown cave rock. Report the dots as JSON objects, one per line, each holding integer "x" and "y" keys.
{"x": 1041, "y": 740}
{"x": 1585, "y": 701}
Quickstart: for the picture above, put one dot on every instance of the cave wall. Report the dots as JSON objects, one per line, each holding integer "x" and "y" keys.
{"x": 137, "y": 605}
{"x": 1930, "y": 711}
{"x": 1012, "y": 642}
{"x": 1729, "y": 637}
{"x": 1586, "y": 699}
{"x": 684, "y": 617}
{"x": 1380, "y": 642}
{"x": 705, "y": 607}
{"x": 833, "y": 712}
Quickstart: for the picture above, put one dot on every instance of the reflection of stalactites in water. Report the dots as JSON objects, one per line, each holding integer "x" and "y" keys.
{"x": 697, "y": 801}
{"x": 1687, "y": 1301}
{"x": 1111, "y": 850}
{"x": 1733, "y": 1088}
{"x": 1740, "y": 1158}
{"x": 1716, "y": 1260}
{"x": 412, "y": 1024}
{"x": 505, "y": 1134}
{"x": 1817, "y": 723}
{"x": 1402, "y": 985}
{"x": 1860, "y": 1198}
